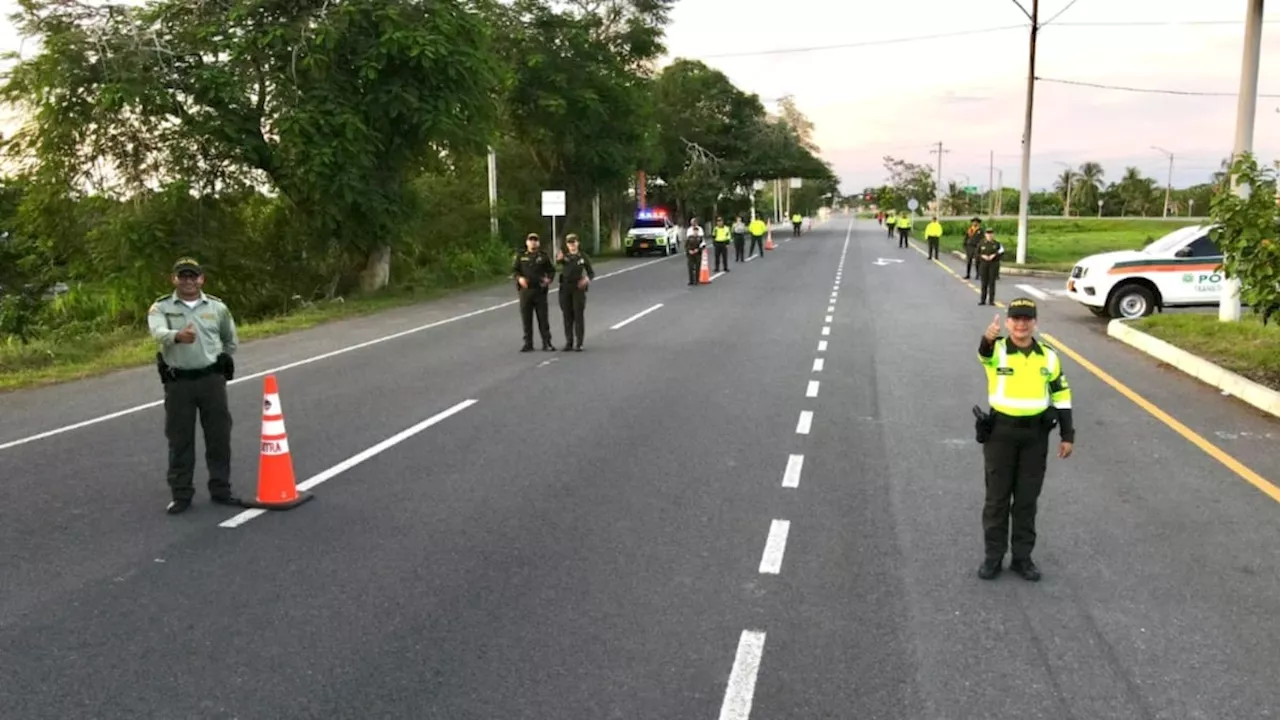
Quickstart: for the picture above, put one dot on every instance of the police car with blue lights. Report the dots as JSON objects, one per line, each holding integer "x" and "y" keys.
{"x": 652, "y": 232}
{"x": 1181, "y": 269}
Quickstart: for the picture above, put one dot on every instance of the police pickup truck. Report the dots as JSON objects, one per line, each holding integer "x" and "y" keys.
{"x": 1181, "y": 269}
{"x": 652, "y": 232}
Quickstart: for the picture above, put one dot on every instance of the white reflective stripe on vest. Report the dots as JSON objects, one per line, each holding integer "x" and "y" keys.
{"x": 998, "y": 399}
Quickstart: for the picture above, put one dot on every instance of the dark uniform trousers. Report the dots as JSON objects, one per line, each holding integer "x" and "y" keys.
{"x": 573, "y": 305}
{"x": 1015, "y": 456}
{"x": 971, "y": 263}
{"x": 534, "y": 298}
{"x": 694, "y": 262}
{"x": 757, "y": 245}
{"x": 933, "y": 247}
{"x": 183, "y": 399}
{"x": 902, "y": 237}
{"x": 739, "y": 243}
{"x": 892, "y": 228}
{"x": 722, "y": 254}
{"x": 987, "y": 272}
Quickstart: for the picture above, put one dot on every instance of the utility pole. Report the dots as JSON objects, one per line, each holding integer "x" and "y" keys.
{"x": 938, "y": 191}
{"x": 493, "y": 193}
{"x": 1168, "y": 188}
{"x": 991, "y": 182}
{"x": 1025, "y": 199}
{"x": 1246, "y": 108}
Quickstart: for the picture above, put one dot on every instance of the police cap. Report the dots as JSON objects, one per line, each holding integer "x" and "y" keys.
{"x": 531, "y": 236}
{"x": 1022, "y": 307}
{"x": 189, "y": 264}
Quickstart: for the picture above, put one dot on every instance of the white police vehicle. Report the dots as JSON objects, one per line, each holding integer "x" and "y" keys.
{"x": 652, "y": 232}
{"x": 1181, "y": 269}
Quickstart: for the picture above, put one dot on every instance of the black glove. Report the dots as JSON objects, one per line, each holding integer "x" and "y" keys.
{"x": 227, "y": 365}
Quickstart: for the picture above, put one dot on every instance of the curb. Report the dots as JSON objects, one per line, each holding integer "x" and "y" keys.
{"x": 1259, "y": 396}
{"x": 1007, "y": 270}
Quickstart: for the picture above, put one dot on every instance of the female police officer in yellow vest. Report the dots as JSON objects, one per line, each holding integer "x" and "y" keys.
{"x": 1028, "y": 394}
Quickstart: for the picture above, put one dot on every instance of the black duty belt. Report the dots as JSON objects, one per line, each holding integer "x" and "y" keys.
{"x": 1019, "y": 420}
{"x": 196, "y": 374}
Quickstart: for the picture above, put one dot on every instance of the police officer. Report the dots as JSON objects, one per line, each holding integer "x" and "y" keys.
{"x": 576, "y": 275}
{"x": 533, "y": 272}
{"x": 988, "y": 253}
{"x": 891, "y": 223}
{"x": 1028, "y": 393}
{"x": 197, "y": 337}
{"x": 972, "y": 236}
{"x": 933, "y": 236}
{"x": 796, "y": 219}
{"x": 757, "y": 229}
{"x": 739, "y": 239}
{"x": 721, "y": 244}
{"x": 904, "y": 230}
{"x": 693, "y": 245}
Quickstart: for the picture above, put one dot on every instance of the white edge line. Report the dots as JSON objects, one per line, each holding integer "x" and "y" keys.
{"x": 775, "y": 547}
{"x": 812, "y": 390}
{"x": 1034, "y": 291}
{"x": 307, "y": 361}
{"x": 805, "y": 423}
{"x": 741, "y": 691}
{"x": 791, "y": 476}
{"x": 356, "y": 459}
{"x": 635, "y": 317}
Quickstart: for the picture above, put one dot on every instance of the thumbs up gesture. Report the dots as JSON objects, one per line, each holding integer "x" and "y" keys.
{"x": 186, "y": 334}
{"x": 993, "y": 329}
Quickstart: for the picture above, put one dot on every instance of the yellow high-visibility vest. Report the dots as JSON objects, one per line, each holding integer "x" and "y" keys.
{"x": 1024, "y": 384}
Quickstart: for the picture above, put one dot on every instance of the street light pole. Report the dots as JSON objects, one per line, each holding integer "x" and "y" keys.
{"x": 493, "y": 193}
{"x": 1168, "y": 188}
{"x": 1246, "y": 108}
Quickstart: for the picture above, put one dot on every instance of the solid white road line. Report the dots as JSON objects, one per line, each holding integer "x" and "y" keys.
{"x": 791, "y": 476}
{"x": 822, "y": 346}
{"x": 307, "y": 361}
{"x": 1033, "y": 291}
{"x": 741, "y": 691}
{"x": 826, "y": 330}
{"x": 356, "y": 459}
{"x": 635, "y": 317}
{"x": 805, "y": 423}
{"x": 818, "y": 364}
{"x": 775, "y": 547}
{"x": 713, "y": 277}
{"x": 812, "y": 390}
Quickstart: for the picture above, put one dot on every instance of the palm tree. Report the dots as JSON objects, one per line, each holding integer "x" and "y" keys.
{"x": 1063, "y": 186}
{"x": 956, "y": 200}
{"x": 1088, "y": 184}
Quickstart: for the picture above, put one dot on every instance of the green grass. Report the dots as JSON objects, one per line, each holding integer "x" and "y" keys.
{"x": 1245, "y": 348}
{"x": 1058, "y": 244}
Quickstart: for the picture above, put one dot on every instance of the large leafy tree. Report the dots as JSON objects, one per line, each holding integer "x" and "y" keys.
{"x": 334, "y": 105}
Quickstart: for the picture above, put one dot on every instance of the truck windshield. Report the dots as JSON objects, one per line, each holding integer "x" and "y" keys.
{"x": 1169, "y": 242}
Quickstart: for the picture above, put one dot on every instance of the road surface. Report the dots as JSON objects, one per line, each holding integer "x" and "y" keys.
{"x": 758, "y": 498}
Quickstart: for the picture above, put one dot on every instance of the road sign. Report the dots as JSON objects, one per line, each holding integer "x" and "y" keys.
{"x": 913, "y": 203}
{"x": 795, "y": 182}
{"x": 886, "y": 261}
{"x": 553, "y": 204}
{"x": 971, "y": 188}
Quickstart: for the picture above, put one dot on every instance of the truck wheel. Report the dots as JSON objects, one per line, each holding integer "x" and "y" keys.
{"x": 1098, "y": 311}
{"x": 1131, "y": 301}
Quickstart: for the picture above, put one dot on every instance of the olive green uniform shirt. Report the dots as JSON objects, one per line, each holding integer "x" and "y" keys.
{"x": 214, "y": 326}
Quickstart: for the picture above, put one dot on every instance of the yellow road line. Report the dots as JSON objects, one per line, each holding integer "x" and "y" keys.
{"x": 1192, "y": 436}
{"x": 1195, "y": 438}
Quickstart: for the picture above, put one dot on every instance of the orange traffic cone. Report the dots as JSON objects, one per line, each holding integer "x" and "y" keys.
{"x": 704, "y": 273}
{"x": 276, "y": 487}
{"x": 768, "y": 242}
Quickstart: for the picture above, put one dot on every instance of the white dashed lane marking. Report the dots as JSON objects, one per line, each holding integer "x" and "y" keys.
{"x": 791, "y": 476}
{"x": 819, "y": 363}
{"x": 822, "y": 346}
{"x": 812, "y": 390}
{"x": 742, "y": 679}
{"x": 775, "y": 547}
{"x": 805, "y": 422}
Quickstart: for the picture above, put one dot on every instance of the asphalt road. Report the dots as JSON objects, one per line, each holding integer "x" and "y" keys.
{"x": 691, "y": 519}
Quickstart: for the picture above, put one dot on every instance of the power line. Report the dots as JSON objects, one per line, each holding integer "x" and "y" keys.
{"x": 1156, "y": 91}
{"x": 1055, "y": 17}
{"x": 867, "y": 43}
{"x": 1153, "y": 23}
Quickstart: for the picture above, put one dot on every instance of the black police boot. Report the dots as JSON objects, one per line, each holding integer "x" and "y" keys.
{"x": 1026, "y": 569}
{"x": 548, "y": 347}
{"x": 177, "y": 506}
{"x": 227, "y": 499}
{"x": 990, "y": 568}
{"x": 528, "y": 347}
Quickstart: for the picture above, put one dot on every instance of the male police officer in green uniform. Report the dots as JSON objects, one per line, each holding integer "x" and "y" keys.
{"x": 576, "y": 275}
{"x": 533, "y": 272}
{"x": 1028, "y": 394}
{"x": 988, "y": 266}
{"x": 197, "y": 337}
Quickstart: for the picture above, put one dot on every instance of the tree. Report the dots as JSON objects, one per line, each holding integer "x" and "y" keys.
{"x": 1088, "y": 189}
{"x": 910, "y": 180}
{"x": 798, "y": 122}
{"x": 1245, "y": 230}
{"x": 334, "y": 105}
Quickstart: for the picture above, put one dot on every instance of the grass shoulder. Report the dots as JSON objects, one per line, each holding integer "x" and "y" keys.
{"x": 1058, "y": 245}
{"x": 1246, "y": 347}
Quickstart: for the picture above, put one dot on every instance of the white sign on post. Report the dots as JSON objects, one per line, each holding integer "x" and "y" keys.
{"x": 795, "y": 182}
{"x": 553, "y": 206}
{"x": 912, "y": 204}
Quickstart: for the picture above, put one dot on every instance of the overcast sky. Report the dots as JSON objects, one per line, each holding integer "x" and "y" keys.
{"x": 968, "y": 92}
